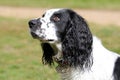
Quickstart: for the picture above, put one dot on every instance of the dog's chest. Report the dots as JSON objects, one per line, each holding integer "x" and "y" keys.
{"x": 76, "y": 74}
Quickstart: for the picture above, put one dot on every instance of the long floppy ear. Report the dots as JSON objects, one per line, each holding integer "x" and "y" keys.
{"x": 48, "y": 52}
{"x": 77, "y": 43}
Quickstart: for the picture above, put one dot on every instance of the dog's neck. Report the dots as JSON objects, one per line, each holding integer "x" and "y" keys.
{"x": 57, "y": 47}
{"x": 58, "y": 50}
{"x": 64, "y": 70}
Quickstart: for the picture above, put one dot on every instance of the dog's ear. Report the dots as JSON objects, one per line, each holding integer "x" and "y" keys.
{"x": 77, "y": 43}
{"x": 48, "y": 52}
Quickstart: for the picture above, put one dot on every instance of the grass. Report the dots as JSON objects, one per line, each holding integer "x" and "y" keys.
{"x": 20, "y": 55}
{"x": 93, "y": 4}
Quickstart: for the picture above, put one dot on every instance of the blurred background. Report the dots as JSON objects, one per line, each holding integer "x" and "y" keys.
{"x": 20, "y": 55}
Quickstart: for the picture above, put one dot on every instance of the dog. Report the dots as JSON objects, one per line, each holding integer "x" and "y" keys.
{"x": 67, "y": 40}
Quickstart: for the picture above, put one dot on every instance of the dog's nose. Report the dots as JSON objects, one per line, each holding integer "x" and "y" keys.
{"x": 32, "y": 23}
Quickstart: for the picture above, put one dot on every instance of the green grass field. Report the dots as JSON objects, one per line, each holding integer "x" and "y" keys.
{"x": 20, "y": 55}
{"x": 86, "y": 4}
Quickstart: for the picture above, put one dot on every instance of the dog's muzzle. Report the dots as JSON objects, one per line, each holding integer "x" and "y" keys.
{"x": 34, "y": 25}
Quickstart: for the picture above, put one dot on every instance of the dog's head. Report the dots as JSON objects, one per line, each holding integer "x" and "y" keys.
{"x": 65, "y": 27}
{"x": 51, "y": 26}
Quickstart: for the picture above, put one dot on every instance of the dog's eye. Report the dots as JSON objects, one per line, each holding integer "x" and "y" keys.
{"x": 56, "y": 18}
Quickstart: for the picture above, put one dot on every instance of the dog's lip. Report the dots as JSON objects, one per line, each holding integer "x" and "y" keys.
{"x": 50, "y": 40}
{"x": 46, "y": 40}
{"x": 35, "y": 36}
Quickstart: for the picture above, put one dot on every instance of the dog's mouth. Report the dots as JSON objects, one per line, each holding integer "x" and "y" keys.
{"x": 35, "y": 36}
{"x": 42, "y": 38}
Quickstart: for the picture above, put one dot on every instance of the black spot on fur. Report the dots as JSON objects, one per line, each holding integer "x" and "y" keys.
{"x": 116, "y": 72}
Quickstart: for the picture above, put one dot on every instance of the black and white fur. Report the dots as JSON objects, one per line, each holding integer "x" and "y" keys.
{"x": 67, "y": 40}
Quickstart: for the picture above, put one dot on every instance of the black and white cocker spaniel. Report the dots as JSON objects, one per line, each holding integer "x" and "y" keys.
{"x": 66, "y": 39}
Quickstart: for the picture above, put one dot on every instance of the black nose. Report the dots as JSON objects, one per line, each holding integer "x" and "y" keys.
{"x": 32, "y": 23}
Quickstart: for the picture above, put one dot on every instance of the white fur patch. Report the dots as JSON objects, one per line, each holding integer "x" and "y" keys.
{"x": 47, "y": 26}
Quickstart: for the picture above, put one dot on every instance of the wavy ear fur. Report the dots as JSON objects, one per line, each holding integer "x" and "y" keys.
{"x": 48, "y": 52}
{"x": 77, "y": 43}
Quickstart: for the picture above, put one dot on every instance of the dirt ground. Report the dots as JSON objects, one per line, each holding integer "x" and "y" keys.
{"x": 104, "y": 17}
